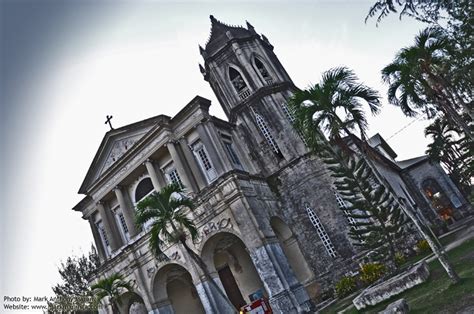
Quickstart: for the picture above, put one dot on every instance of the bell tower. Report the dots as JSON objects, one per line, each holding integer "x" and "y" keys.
{"x": 253, "y": 88}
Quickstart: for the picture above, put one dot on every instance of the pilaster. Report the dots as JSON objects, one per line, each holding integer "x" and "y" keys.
{"x": 98, "y": 241}
{"x": 210, "y": 147}
{"x": 127, "y": 212}
{"x": 195, "y": 169}
{"x": 109, "y": 225}
{"x": 156, "y": 178}
{"x": 179, "y": 162}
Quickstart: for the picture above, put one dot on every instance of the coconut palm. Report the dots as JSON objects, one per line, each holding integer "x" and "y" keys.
{"x": 314, "y": 108}
{"x": 338, "y": 94}
{"x": 452, "y": 150}
{"x": 418, "y": 79}
{"x": 166, "y": 210}
{"x": 112, "y": 287}
{"x": 335, "y": 106}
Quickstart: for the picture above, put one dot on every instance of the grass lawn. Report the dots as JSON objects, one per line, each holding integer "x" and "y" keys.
{"x": 437, "y": 294}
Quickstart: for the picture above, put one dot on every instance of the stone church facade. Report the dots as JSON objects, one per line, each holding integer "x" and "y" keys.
{"x": 269, "y": 220}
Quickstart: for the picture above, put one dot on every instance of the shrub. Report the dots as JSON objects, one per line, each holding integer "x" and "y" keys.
{"x": 422, "y": 246}
{"x": 371, "y": 272}
{"x": 399, "y": 258}
{"x": 345, "y": 286}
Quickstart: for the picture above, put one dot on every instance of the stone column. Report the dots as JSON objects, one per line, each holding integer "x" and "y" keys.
{"x": 127, "y": 212}
{"x": 162, "y": 307}
{"x": 211, "y": 300}
{"x": 98, "y": 241}
{"x": 156, "y": 179}
{"x": 109, "y": 227}
{"x": 211, "y": 149}
{"x": 180, "y": 165}
{"x": 195, "y": 169}
{"x": 219, "y": 146}
{"x": 282, "y": 299}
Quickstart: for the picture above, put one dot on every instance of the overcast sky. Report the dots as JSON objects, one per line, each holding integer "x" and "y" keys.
{"x": 66, "y": 65}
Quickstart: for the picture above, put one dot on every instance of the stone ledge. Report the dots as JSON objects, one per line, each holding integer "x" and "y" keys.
{"x": 393, "y": 286}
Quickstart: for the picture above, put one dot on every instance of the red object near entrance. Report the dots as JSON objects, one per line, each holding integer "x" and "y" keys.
{"x": 260, "y": 306}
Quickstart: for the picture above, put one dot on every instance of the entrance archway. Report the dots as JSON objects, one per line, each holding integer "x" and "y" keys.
{"x": 227, "y": 255}
{"x": 174, "y": 283}
{"x": 132, "y": 303}
{"x": 295, "y": 257}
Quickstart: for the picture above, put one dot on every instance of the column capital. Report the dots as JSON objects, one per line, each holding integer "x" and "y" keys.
{"x": 117, "y": 188}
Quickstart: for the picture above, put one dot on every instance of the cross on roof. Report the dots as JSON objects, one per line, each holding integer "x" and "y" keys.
{"x": 109, "y": 122}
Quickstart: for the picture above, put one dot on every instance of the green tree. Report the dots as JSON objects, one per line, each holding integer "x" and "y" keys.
{"x": 453, "y": 151}
{"x": 335, "y": 106}
{"x": 112, "y": 287}
{"x": 418, "y": 80}
{"x": 166, "y": 210}
{"x": 73, "y": 293}
{"x": 75, "y": 273}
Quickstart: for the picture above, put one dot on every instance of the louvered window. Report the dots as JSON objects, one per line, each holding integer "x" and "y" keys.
{"x": 103, "y": 237}
{"x": 123, "y": 226}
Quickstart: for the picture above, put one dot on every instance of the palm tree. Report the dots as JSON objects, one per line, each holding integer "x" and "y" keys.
{"x": 418, "y": 79}
{"x": 314, "y": 109}
{"x": 337, "y": 94}
{"x": 169, "y": 223}
{"x": 452, "y": 150}
{"x": 335, "y": 106}
{"x": 112, "y": 287}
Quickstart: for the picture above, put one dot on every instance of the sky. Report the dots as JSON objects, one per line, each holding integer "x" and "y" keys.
{"x": 65, "y": 65}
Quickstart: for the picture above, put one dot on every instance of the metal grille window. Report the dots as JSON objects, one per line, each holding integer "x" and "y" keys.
{"x": 173, "y": 177}
{"x": 204, "y": 159}
{"x": 289, "y": 115}
{"x": 262, "y": 125}
{"x": 321, "y": 232}
{"x": 342, "y": 205}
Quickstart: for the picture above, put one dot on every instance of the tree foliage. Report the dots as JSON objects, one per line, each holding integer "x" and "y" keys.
{"x": 75, "y": 273}
{"x": 440, "y": 64}
{"x": 450, "y": 148}
{"x": 112, "y": 287}
{"x": 335, "y": 105}
{"x": 166, "y": 210}
{"x": 421, "y": 79}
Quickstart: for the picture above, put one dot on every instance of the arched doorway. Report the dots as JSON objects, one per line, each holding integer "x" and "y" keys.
{"x": 132, "y": 303}
{"x": 173, "y": 283}
{"x": 438, "y": 199}
{"x": 295, "y": 257}
{"x": 226, "y": 255}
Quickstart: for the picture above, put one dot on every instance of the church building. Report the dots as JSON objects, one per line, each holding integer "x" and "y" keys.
{"x": 269, "y": 220}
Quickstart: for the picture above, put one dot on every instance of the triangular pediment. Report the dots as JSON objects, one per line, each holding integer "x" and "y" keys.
{"x": 115, "y": 144}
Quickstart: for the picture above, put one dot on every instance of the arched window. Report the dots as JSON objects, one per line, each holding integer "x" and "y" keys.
{"x": 237, "y": 80}
{"x": 439, "y": 201}
{"x": 263, "y": 71}
{"x": 143, "y": 189}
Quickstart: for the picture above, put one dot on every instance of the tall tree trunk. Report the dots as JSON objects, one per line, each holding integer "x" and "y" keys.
{"x": 437, "y": 249}
{"x": 432, "y": 242}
